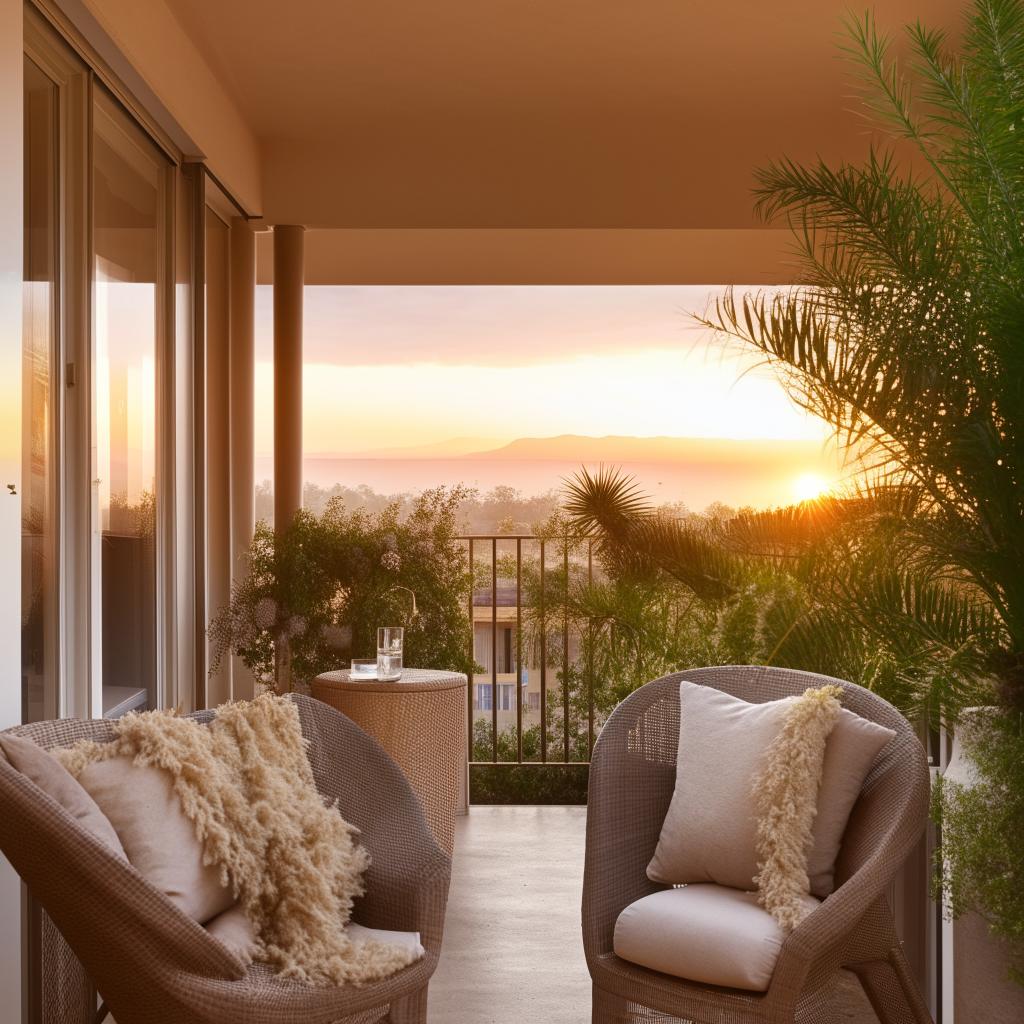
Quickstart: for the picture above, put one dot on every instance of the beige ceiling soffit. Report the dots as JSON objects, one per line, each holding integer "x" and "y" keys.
{"x": 79, "y": 27}
{"x": 153, "y": 67}
{"x": 584, "y": 256}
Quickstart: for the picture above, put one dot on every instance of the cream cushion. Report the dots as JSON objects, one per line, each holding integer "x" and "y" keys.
{"x": 710, "y": 831}
{"x": 59, "y": 784}
{"x": 705, "y": 933}
{"x": 158, "y": 839}
{"x": 235, "y": 930}
{"x": 404, "y": 940}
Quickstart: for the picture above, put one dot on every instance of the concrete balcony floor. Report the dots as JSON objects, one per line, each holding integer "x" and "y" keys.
{"x": 513, "y": 952}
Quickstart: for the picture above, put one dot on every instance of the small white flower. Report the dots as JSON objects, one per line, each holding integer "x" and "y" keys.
{"x": 391, "y": 561}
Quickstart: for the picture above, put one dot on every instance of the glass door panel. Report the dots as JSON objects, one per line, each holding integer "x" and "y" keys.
{"x": 39, "y": 580}
{"x": 129, "y": 272}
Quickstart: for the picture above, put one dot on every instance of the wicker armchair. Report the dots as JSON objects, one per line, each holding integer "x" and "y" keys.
{"x": 153, "y": 965}
{"x": 632, "y": 778}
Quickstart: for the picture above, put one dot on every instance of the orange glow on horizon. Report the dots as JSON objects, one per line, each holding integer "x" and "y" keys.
{"x": 809, "y": 486}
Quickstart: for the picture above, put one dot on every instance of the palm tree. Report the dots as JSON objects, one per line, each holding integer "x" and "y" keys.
{"x": 908, "y": 334}
{"x": 907, "y": 337}
{"x": 812, "y": 586}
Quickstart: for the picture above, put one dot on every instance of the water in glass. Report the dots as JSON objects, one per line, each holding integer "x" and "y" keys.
{"x": 389, "y": 652}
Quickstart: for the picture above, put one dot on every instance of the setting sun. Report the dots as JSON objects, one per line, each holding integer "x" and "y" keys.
{"x": 809, "y": 486}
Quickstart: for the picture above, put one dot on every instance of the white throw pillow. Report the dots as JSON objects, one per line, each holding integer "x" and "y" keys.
{"x": 710, "y": 831}
{"x": 158, "y": 839}
{"x": 704, "y": 933}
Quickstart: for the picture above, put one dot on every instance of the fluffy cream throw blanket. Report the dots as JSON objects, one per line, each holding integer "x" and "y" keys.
{"x": 786, "y": 798}
{"x": 245, "y": 783}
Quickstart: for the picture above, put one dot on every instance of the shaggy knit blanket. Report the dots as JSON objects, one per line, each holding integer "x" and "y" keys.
{"x": 786, "y": 798}
{"x": 245, "y": 783}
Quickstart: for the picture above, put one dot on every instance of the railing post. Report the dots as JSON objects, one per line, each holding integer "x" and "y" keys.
{"x": 522, "y": 657}
{"x": 565, "y": 654}
{"x": 472, "y": 653}
{"x": 590, "y": 656}
{"x": 494, "y": 649}
{"x": 543, "y": 666}
{"x": 519, "y": 649}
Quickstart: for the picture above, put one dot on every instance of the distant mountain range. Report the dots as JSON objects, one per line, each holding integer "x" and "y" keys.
{"x": 691, "y": 450}
{"x": 694, "y": 470}
{"x": 612, "y": 449}
{"x": 452, "y": 448}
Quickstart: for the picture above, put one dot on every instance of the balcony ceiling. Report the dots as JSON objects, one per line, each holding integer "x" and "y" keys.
{"x": 533, "y": 113}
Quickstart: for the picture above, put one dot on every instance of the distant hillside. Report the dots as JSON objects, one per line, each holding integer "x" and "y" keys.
{"x": 451, "y": 448}
{"x": 690, "y": 450}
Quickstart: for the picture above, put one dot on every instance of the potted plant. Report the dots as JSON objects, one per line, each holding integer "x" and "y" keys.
{"x": 979, "y": 805}
{"x": 316, "y": 591}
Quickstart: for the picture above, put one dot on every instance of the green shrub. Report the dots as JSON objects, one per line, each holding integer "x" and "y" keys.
{"x": 981, "y": 863}
{"x": 316, "y": 592}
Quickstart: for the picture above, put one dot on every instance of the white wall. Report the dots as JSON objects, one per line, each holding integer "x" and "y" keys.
{"x": 10, "y": 460}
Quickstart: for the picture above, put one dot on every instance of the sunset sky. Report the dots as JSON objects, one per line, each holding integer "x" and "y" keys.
{"x": 395, "y": 366}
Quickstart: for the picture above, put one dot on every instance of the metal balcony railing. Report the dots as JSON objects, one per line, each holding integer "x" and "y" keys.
{"x": 497, "y": 582}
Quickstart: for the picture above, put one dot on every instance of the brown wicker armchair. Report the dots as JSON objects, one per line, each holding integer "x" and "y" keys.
{"x": 632, "y": 778}
{"x": 153, "y": 965}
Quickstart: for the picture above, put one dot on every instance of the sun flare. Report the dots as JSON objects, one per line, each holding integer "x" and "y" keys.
{"x": 809, "y": 486}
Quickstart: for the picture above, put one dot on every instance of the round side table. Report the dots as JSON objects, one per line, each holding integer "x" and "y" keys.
{"x": 420, "y": 720}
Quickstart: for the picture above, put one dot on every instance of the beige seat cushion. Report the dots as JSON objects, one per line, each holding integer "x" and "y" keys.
{"x": 705, "y": 933}
{"x": 157, "y": 837}
{"x": 404, "y": 940}
{"x": 235, "y": 930}
{"x": 710, "y": 830}
{"x": 58, "y": 783}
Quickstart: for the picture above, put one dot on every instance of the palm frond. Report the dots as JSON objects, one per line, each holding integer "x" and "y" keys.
{"x": 607, "y": 501}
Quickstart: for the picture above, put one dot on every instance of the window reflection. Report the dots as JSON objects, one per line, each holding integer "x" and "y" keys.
{"x": 128, "y": 231}
{"x": 38, "y": 531}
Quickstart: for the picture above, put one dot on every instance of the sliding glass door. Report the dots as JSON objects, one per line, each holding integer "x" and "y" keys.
{"x": 130, "y": 181}
{"x": 107, "y": 568}
{"x": 39, "y": 547}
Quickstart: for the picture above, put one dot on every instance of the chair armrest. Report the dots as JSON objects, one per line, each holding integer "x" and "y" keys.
{"x": 881, "y": 834}
{"x": 409, "y": 874}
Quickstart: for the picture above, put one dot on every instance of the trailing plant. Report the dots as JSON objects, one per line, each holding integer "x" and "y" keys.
{"x": 316, "y": 591}
{"x": 982, "y": 826}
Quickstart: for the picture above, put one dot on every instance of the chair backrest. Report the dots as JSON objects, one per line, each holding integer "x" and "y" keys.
{"x": 63, "y": 732}
{"x": 116, "y": 922}
{"x": 92, "y": 896}
{"x": 893, "y": 802}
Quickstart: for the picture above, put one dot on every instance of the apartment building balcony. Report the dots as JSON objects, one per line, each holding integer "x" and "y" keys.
{"x": 165, "y": 160}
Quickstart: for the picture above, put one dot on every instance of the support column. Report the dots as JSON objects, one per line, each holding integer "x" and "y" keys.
{"x": 243, "y": 385}
{"x": 288, "y": 282}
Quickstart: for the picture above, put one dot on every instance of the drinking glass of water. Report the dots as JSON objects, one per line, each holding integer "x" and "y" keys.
{"x": 389, "y": 652}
